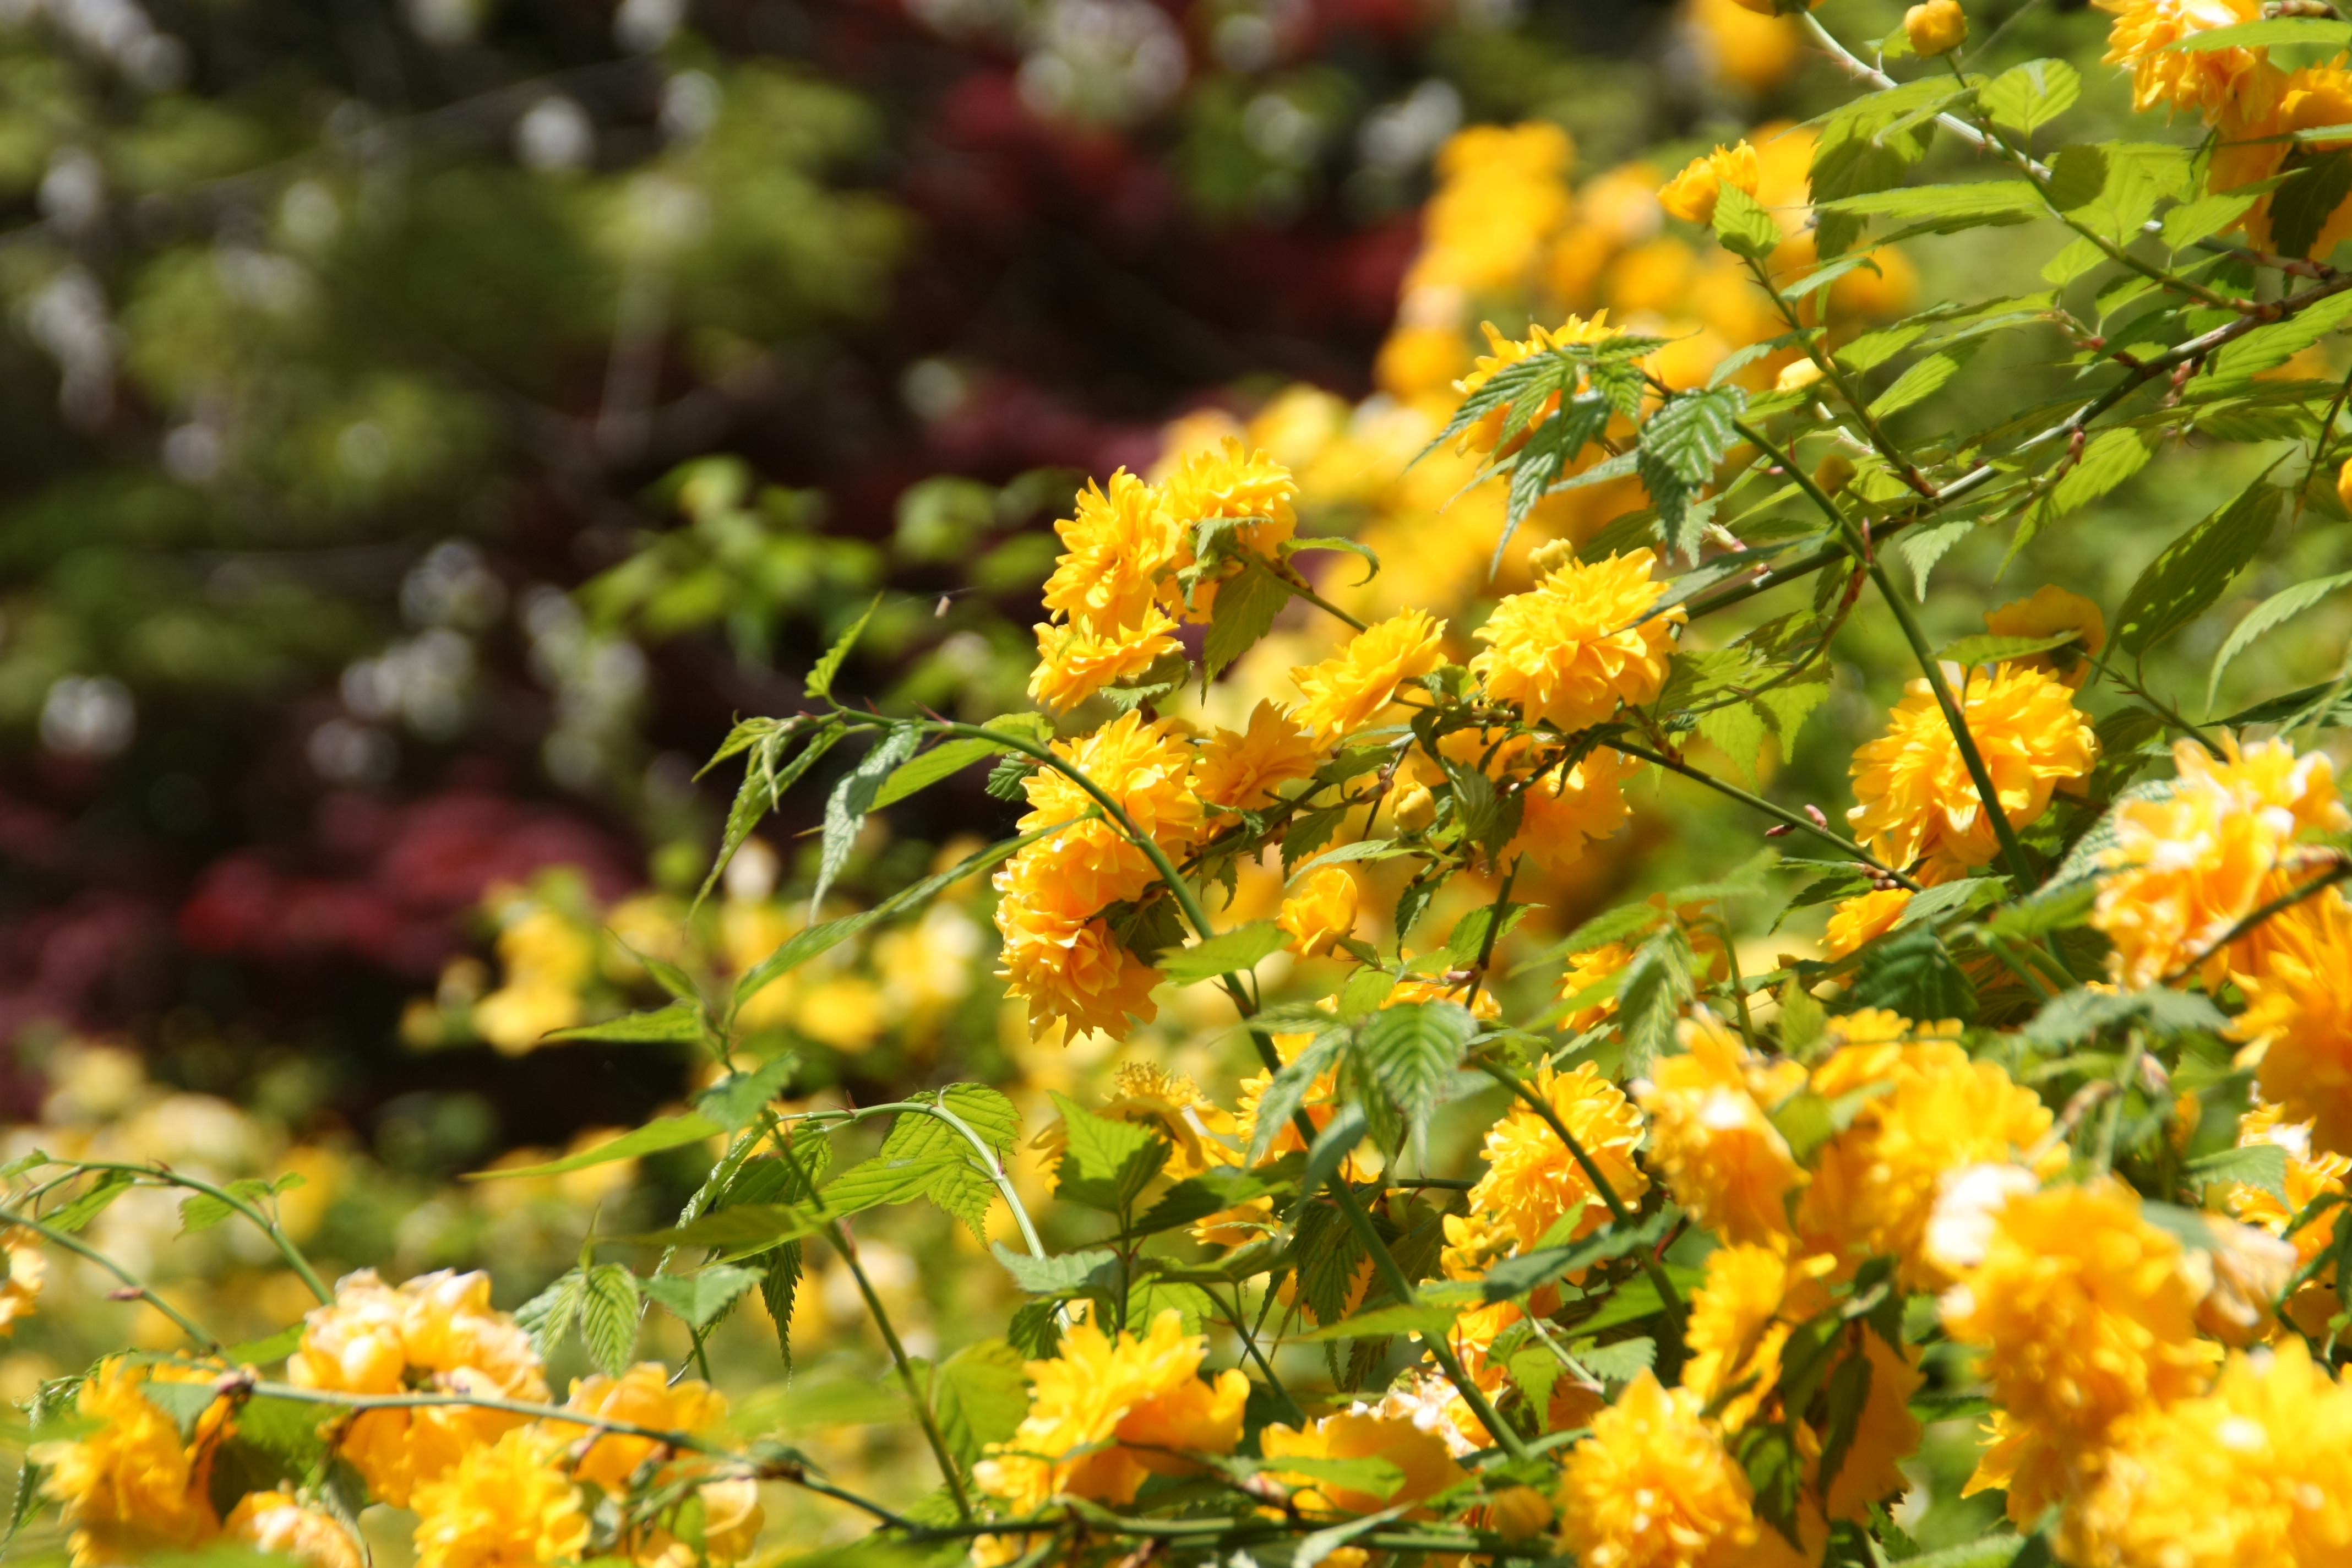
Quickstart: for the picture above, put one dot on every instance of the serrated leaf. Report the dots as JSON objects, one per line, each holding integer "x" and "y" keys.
{"x": 2268, "y": 347}
{"x": 852, "y": 798}
{"x": 1910, "y": 972}
{"x": 1922, "y": 548}
{"x": 608, "y": 1315}
{"x": 202, "y": 1211}
{"x": 2026, "y": 98}
{"x": 1428, "y": 1321}
{"x": 1621, "y": 1362}
{"x": 2275, "y": 611}
{"x": 2073, "y": 1016}
{"x": 949, "y": 758}
{"x": 2206, "y": 216}
{"x": 820, "y": 678}
{"x": 764, "y": 786}
{"x": 1986, "y": 648}
{"x": 1650, "y": 996}
{"x": 2195, "y": 569}
{"x": 1362, "y": 849}
{"x": 1680, "y": 446}
{"x": 1946, "y": 899}
{"x": 701, "y": 1297}
{"x": 1964, "y": 205}
{"x": 1337, "y": 541}
{"x": 1287, "y": 1092}
{"x": 1058, "y": 1274}
{"x": 1413, "y": 1050}
{"x": 1515, "y": 1277}
{"x": 2262, "y": 1165}
{"x": 1848, "y": 1392}
{"x": 1737, "y": 729}
{"x": 185, "y": 1403}
{"x": 741, "y": 1229}
{"x": 979, "y": 1396}
{"x": 1924, "y": 378}
{"x": 73, "y": 1216}
{"x": 1106, "y": 1164}
{"x": 549, "y": 1317}
{"x": 1245, "y": 612}
{"x": 675, "y": 1023}
{"x": 668, "y": 1132}
{"x": 736, "y": 1099}
{"x": 1743, "y": 225}
{"x": 1235, "y": 951}
{"x": 1788, "y": 705}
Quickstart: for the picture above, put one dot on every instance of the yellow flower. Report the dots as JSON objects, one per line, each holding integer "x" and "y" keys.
{"x": 1741, "y": 1317}
{"x": 130, "y": 1488}
{"x": 1346, "y": 691}
{"x": 2259, "y": 1471}
{"x": 1228, "y": 481}
{"x": 1146, "y": 768}
{"x": 1118, "y": 546}
{"x": 436, "y": 1332}
{"x": 1242, "y": 768}
{"x": 27, "y": 1269}
{"x": 1915, "y": 799}
{"x": 1074, "y": 662}
{"x": 1427, "y": 1465}
{"x": 1321, "y": 912}
{"x": 2298, "y": 1017}
{"x": 1585, "y": 970}
{"x": 2344, "y": 484}
{"x": 1568, "y": 650}
{"x": 1862, "y": 919}
{"x": 503, "y": 1505}
{"x": 1653, "y": 1488}
{"x": 2186, "y": 868}
{"x": 282, "y": 1525}
{"x": 644, "y": 1397}
{"x": 1874, "y": 1185}
{"x": 548, "y": 960}
{"x": 2050, "y": 611}
{"x": 1519, "y": 1513}
{"x": 1710, "y": 1135}
{"x": 1935, "y": 28}
{"x": 1058, "y": 956}
{"x": 1484, "y": 433}
{"x": 1099, "y": 1395}
{"x": 1197, "y": 1129}
{"x": 2206, "y": 81}
{"x": 2087, "y": 1317}
{"x": 2263, "y": 114}
{"x": 2310, "y": 1177}
{"x": 1532, "y": 1181}
{"x": 1692, "y": 193}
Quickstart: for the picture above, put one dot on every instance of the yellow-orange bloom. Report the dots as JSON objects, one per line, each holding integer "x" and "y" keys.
{"x": 506, "y": 1504}
{"x": 1484, "y": 433}
{"x": 1346, "y": 691}
{"x": 1874, "y": 1185}
{"x": 1058, "y": 956}
{"x": 1711, "y": 1134}
{"x": 1654, "y": 1487}
{"x": 644, "y": 1397}
{"x": 130, "y": 1488}
{"x": 2259, "y": 1471}
{"x": 1740, "y": 1319}
{"x": 1935, "y": 28}
{"x": 282, "y": 1525}
{"x": 2050, "y": 611}
{"x": 1427, "y": 1465}
{"x": 27, "y": 1268}
{"x": 1146, "y": 768}
{"x": 1585, "y": 970}
{"x": 1864, "y": 918}
{"x": 2206, "y": 81}
{"x": 1532, "y": 1183}
{"x": 1075, "y": 662}
{"x": 439, "y": 1332}
{"x": 1321, "y": 911}
{"x": 1694, "y": 193}
{"x": 1118, "y": 546}
{"x": 1101, "y": 1395}
{"x": 2311, "y": 1175}
{"x": 1242, "y": 768}
{"x": 2265, "y": 111}
{"x": 2087, "y": 1317}
{"x": 1915, "y": 799}
{"x": 2298, "y": 1017}
{"x": 1569, "y": 650}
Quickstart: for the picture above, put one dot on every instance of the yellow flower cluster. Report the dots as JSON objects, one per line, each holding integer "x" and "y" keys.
{"x": 132, "y": 1487}
{"x": 1581, "y": 643}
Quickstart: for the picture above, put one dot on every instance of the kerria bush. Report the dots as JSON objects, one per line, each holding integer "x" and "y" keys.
{"x": 2050, "y": 1139}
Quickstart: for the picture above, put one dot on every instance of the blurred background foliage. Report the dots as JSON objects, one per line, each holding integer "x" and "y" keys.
{"x": 425, "y": 425}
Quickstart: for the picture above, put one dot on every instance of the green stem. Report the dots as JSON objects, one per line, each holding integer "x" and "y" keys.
{"x": 2282, "y": 902}
{"x": 268, "y": 1226}
{"x": 1293, "y": 579}
{"x": 131, "y": 1282}
{"x": 1800, "y": 822}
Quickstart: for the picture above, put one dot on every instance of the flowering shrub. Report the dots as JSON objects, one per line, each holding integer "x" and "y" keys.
{"x": 2052, "y": 1133}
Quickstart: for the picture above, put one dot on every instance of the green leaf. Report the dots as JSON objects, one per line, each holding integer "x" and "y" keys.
{"x": 1743, "y": 225}
{"x": 701, "y": 1297}
{"x": 764, "y": 786}
{"x": 942, "y": 761}
{"x": 1059, "y": 1274}
{"x": 1737, "y": 729}
{"x": 266, "y": 1349}
{"x": 1680, "y": 446}
{"x": 852, "y": 798}
{"x": 1849, "y": 1391}
{"x": 925, "y": 1157}
{"x": 2073, "y": 1016}
{"x": 668, "y": 1132}
{"x": 1430, "y": 1321}
{"x": 1235, "y": 951}
{"x": 1637, "y": 1299}
{"x": 2300, "y": 208}
{"x": 1621, "y": 1362}
{"x": 1337, "y": 541}
{"x": 1287, "y": 1091}
{"x": 2283, "y": 30}
{"x": 1650, "y": 996}
{"x": 1787, "y": 706}
{"x": 1413, "y": 1050}
{"x": 820, "y": 679}
{"x": 550, "y": 1317}
{"x": 1362, "y": 849}
{"x": 1617, "y": 925}
{"x": 2028, "y": 97}
{"x": 1923, "y": 547}
{"x": 1377, "y": 1477}
{"x": 202, "y": 1211}
{"x": 887, "y": 1179}
{"x": 816, "y": 940}
{"x": 73, "y": 1216}
{"x": 1515, "y": 1277}
{"x": 1910, "y": 972}
{"x": 2206, "y": 216}
{"x": 1922, "y": 381}
{"x": 1934, "y": 905}
{"x": 739, "y": 1229}
{"x": 2195, "y": 569}
{"x": 979, "y": 1396}
{"x": 1960, "y": 207}
{"x": 185, "y": 1403}
{"x": 2269, "y": 347}
{"x": 1536, "y": 470}
{"x": 1107, "y": 1162}
{"x": 608, "y": 1315}
{"x": 1986, "y": 648}
{"x": 677, "y": 1023}
{"x": 2260, "y": 1166}
{"x": 1245, "y": 612}
{"x": 2275, "y": 611}
{"x": 736, "y": 1099}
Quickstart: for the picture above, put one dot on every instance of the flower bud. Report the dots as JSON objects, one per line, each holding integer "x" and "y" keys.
{"x": 1835, "y": 472}
{"x": 1415, "y": 809}
{"x": 1518, "y": 1512}
{"x": 1797, "y": 376}
{"x": 1935, "y": 28}
{"x": 1550, "y": 557}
